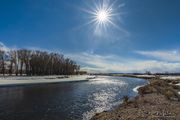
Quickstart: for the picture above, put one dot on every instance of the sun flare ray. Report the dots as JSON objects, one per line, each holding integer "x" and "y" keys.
{"x": 103, "y": 14}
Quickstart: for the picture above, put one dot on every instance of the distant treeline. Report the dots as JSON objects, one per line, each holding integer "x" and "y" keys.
{"x": 30, "y": 62}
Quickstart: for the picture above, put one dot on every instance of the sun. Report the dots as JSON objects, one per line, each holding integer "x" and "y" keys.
{"x": 102, "y": 16}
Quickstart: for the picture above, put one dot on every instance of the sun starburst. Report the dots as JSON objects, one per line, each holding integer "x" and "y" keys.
{"x": 103, "y": 14}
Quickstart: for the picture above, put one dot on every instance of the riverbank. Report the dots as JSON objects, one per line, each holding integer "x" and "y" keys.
{"x": 8, "y": 81}
{"x": 157, "y": 100}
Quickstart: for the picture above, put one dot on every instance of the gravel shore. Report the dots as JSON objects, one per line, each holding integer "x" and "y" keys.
{"x": 157, "y": 101}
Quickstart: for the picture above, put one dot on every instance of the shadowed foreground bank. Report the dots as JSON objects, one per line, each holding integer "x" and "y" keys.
{"x": 157, "y": 101}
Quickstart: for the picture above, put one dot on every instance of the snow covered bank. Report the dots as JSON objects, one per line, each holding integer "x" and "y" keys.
{"x": 170, "y": 77}
{"x": 136, "y": 88}
{"x": 164, "y": 77}
{"x": 40, "y": 79}
{"x": 178, "y": 84}
{"x": 147, "y": 76}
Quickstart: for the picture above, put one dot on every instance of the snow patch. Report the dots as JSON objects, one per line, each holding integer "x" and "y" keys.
{"x": 136, "y": 88}
{"x": 40, "y": 79}
{"x": 170, "y": 77}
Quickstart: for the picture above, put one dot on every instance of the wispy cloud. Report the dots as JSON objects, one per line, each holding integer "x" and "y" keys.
{"x": 113, "y": 63}
{"x": 172, "y": 56}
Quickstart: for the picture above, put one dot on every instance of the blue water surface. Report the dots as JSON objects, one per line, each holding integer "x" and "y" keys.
{"x": 65, "y": 101}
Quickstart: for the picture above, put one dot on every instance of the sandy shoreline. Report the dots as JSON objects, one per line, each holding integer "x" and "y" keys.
{"x": 8, "y": 81}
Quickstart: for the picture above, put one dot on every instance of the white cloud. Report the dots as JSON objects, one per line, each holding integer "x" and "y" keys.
{"x": 172, "y": 56}
{"x": 113, "y": 63}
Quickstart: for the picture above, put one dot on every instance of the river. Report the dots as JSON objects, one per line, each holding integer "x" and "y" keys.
{"x": 65, "y": 101}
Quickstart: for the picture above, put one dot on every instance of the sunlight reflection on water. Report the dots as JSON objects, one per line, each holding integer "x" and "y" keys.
{"x": 107, "y": 80}
{"x": 101, "y": 99}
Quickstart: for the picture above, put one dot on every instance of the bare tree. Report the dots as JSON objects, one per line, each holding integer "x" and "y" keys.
{"x": 38, "y": 63}
{"x": 2, "y": 61}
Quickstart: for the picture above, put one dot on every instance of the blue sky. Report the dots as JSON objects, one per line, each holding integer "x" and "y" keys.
{"x": 145, "y": 34}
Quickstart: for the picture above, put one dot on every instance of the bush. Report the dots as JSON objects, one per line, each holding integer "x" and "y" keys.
{"x": 176, "y": 87}
{"x": 142, "y": 90}
{"x": 125, "y": 100}
{"x": 161, "y": 83}
{"x": 146, "y": 90}
{"x": 135, "y": 103}
{"x": 168, "y": 94}
{"x": 168, "y": 81}
{"x": 171, "y": 94}
{"x": 157, "y": 76}
{"x": 175, "y": 82}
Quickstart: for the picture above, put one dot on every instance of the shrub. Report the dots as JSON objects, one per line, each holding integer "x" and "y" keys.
{"x": 159, "y": 83}
{"x": 168, "y": 94}
{"x": 175, "y": 82}
{"x": 168, "y": 81}
{"x": 142, "y": 90}
{"x": 135, "y": 103}
{"x": 125, "y": 100}
{"x": 146, "y": 90}
{"x": 157, "y": 76}
{"x": 176, "y": 87}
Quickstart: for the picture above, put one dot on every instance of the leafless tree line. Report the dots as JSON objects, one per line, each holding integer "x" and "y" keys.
{"x": 29, "y": 62}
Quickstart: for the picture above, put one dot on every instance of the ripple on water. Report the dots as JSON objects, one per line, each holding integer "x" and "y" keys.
{"x": 104, "y": 99}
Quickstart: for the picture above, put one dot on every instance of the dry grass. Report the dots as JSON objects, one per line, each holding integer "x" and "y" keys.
{"x": 178, "y": 79}
{"x": 169, "y": 94}
{"x": 161, "y": 87}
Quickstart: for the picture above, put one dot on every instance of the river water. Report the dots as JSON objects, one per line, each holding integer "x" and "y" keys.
{"x": 65, "y": 101}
